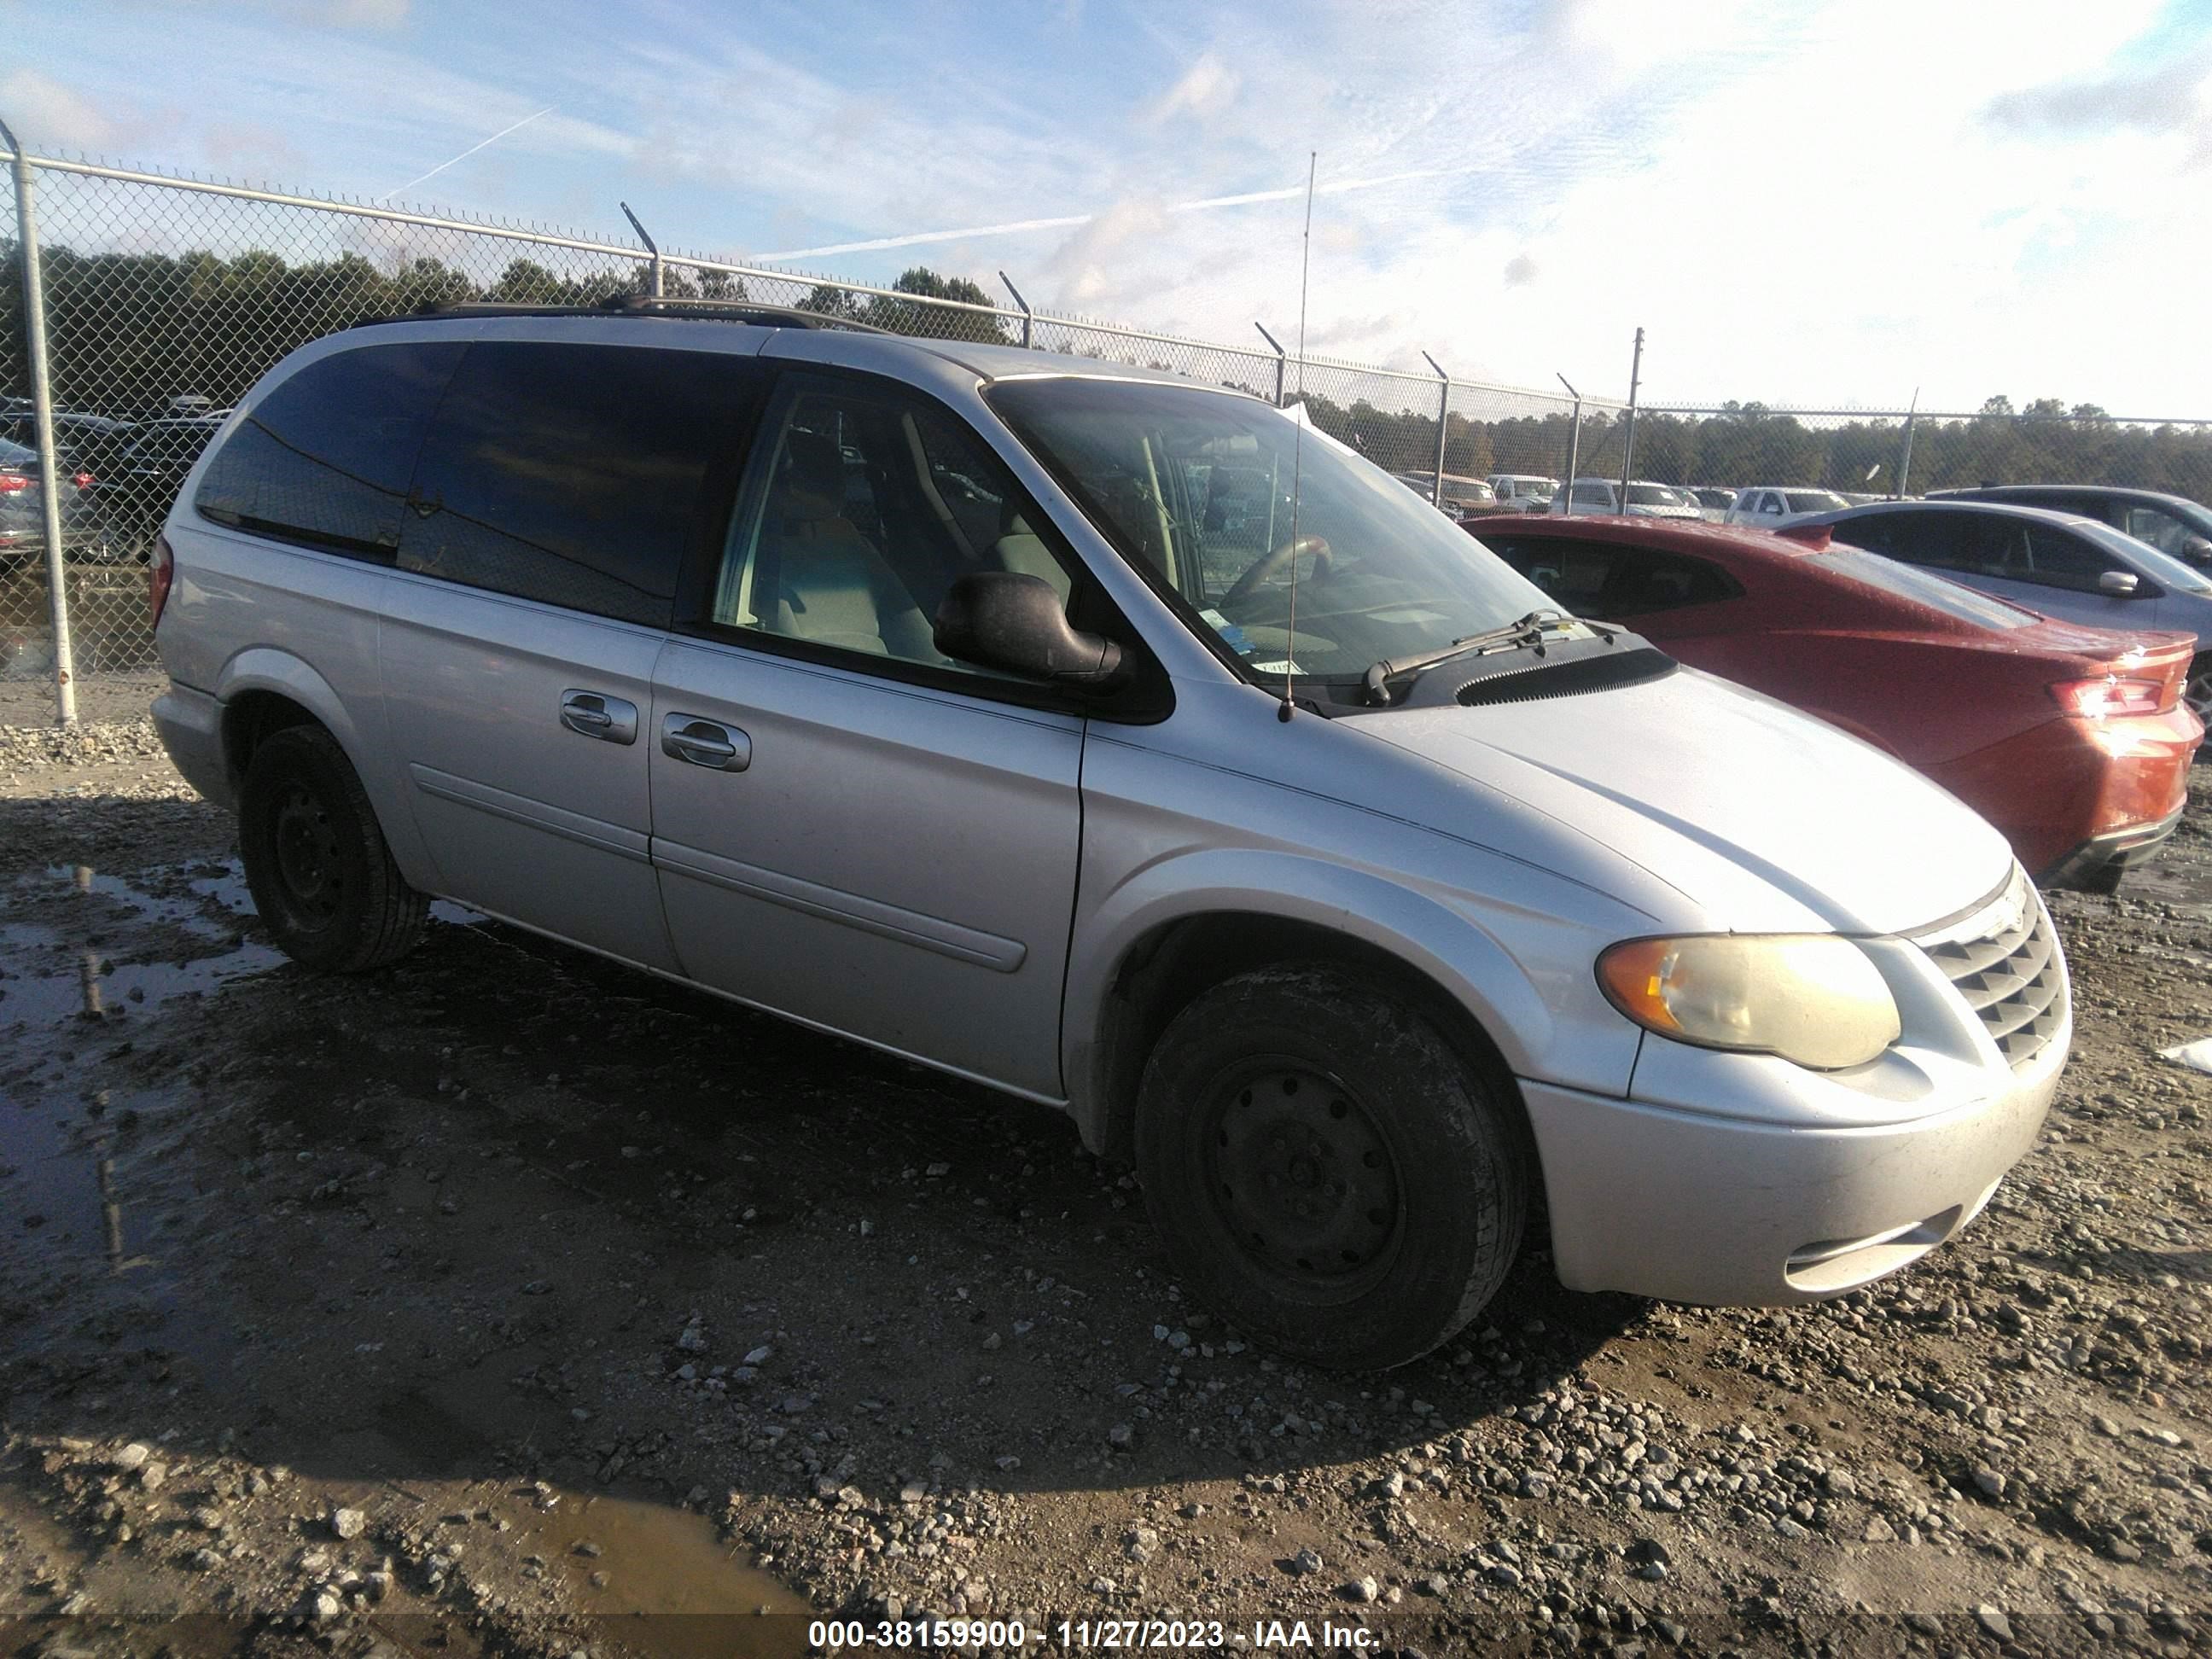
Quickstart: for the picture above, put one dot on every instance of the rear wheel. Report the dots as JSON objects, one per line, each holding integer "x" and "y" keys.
{"x": 315, "y": 858}
{"x": 1331, "y": 1172}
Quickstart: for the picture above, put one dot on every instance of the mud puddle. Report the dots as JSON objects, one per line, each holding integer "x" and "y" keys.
{"x": 660, "y": 1580}
{"x": 79, "y": 945}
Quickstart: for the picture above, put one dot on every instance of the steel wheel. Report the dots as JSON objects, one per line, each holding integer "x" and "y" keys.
{"x": 308, "y": 856}
{"x": 1300, "y": 1176}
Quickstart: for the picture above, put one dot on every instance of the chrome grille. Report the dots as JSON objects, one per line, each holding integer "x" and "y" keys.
{"x": 2004, "y": 959}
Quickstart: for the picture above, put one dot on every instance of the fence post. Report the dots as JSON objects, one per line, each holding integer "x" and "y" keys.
{"x": 1905, "y": 461}
{"x": 1027, "y": 315}
{"x": 1443, "y": 420}
{"x": 1574, "y": 448}
{"x": 42, "y": 408}
{"x": 1628, "y": 435}
{"x": 650, "y": 246}
{"x": 1281, "y": 357}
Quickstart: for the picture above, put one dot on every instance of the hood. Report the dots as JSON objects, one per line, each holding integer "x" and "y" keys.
{"x": 1766, "y": 819}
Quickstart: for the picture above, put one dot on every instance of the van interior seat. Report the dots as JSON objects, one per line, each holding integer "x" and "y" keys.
{"x": 1023, "y": 552}
{"x": 833, "y": 585}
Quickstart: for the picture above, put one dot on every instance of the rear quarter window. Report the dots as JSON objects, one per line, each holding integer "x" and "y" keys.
{"x": 324, "y": 458}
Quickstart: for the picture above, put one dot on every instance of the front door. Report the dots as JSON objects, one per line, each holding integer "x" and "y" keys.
{"x": 850, "y": 828}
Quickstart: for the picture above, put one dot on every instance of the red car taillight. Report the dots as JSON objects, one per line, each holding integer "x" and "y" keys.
{"x": 84, "y": 480}
{"x": 2100, "y": 698}
{"x": 13, "y": 483}
{"x": 160, "y": 573}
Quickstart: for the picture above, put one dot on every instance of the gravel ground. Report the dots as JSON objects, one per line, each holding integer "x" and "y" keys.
{"x": 510, "y": 1302}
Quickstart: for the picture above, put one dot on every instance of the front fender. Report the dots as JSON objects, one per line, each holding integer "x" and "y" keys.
{"x": 1547, "y": 1021}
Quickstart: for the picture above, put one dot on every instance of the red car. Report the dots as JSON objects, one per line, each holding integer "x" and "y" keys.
{"x": 2072, "y": 741}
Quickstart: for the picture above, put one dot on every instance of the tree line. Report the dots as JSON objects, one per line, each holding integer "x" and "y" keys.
{"x": 1741, "y": 444}
{"x": 130, "y": 332}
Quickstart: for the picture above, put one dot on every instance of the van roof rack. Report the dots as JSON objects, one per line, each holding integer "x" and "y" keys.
{"x": 645, "y": 305}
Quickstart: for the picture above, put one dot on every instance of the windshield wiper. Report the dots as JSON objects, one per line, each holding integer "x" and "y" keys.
{"x": 1527, "y": 630}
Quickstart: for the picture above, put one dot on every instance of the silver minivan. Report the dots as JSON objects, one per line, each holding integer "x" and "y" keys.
{"x": 1117, "y": 742}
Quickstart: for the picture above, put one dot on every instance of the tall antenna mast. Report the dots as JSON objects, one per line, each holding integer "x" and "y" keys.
{"x": 1297, "y": 443}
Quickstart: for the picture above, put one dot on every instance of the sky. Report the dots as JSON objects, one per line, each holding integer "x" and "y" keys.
{"x": 1826, "y": 204}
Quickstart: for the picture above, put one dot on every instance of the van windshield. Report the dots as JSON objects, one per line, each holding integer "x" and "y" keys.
{"x": 1196, "y": 488}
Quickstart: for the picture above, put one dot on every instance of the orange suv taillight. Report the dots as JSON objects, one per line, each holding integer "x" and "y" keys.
{"x": 160, "y": 573}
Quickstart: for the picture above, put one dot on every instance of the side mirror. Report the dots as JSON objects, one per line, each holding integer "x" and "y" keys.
{"x": 2197, "y": 549}
{"x": 1005, "y": 620}
{"x": 2120, "y": 584}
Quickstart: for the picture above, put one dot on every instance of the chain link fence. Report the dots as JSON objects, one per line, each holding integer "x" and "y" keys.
{"x": 166, "y": 299}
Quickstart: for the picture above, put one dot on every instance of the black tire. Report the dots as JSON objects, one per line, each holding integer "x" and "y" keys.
{"x": 2105, "y": 880}
{"x": 2197, "y": 693}
{"x": 1330, "y": 1172}
{"x": 316, "y": 861}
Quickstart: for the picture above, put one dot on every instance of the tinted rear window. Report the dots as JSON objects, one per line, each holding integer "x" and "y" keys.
{"x": 324, "y": 458}
{"x": 1906, "y": 583}
{"x": 575, "y": 474}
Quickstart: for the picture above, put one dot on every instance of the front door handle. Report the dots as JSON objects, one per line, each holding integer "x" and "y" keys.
{"x": 706, "y": 742}
{"x": 590, "y": 714}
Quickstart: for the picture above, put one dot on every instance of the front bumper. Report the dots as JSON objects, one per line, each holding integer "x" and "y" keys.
{"x": 1742, "y": 1180}
{"x": 1666, "y": 1204}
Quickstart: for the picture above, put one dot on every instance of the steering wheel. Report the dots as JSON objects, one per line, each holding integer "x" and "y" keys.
{"x": 1263, "y": 568}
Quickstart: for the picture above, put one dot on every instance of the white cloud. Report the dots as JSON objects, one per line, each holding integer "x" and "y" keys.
{"x": 1206, "y": 89}
{"x": 49, "y": 116}
{"x": 1824, "y": 201}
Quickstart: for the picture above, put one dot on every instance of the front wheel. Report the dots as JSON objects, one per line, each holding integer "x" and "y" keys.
{"x": 315, "y": 858}
{"x": 1331, "y": 1172}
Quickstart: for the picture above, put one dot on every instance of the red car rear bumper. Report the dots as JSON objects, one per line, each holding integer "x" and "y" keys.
{"x": 2074, "y": 796}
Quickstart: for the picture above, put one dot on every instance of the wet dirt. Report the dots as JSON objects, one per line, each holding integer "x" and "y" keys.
{"x": 775, "y": 1322}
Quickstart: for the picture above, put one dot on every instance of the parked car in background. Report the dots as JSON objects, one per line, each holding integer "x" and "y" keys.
{"x": 2057, "y": 564}
{"x": 2072, "y": 741}
{"x": 136, "y": 490}
{"x": 1462, "y": 496}
{"x": 1712, "y": 501}
{"x": 1524, "y": 492}
{"x": 1646, "y": 500}
{"x": 2174, "y": 525}
{"x": 1767, "y": 506}
{"x": 577, "y": 619}
{"x": 83, "y": 443}
{"x": 22, "y": 509}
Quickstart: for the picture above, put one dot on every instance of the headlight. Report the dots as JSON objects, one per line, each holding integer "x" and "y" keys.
{"x": 1814, "y": 999}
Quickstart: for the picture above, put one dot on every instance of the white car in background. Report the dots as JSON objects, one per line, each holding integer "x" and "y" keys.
{"x": 1646, "y": 500}
{"x": 1530, "y": 492}
{"x": 1768, "y": 506}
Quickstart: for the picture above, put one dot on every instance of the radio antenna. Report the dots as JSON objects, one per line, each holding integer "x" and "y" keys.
{"x": 1298, "y": 444}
